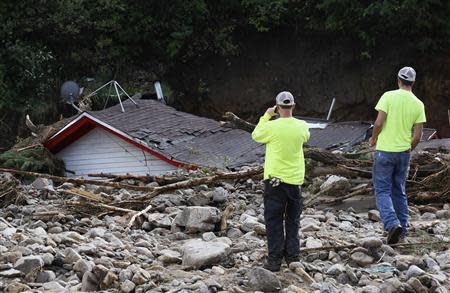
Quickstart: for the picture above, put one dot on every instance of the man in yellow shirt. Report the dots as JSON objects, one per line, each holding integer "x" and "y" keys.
{"x": 398, "y": 112}
{"x": 284, "y": 172}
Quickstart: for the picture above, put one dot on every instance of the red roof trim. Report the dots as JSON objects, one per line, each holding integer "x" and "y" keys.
{"x": 76, "y": 130}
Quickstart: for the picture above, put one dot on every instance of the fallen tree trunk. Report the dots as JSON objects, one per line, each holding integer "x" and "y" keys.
{"x": 160, "y": 179}
{"x": 199, "y": 181}
{"x": 235, "y": 122}
{"x": 78, "y": 181}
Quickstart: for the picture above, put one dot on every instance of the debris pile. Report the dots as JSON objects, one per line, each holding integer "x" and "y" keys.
{"x": 203, "y": 231}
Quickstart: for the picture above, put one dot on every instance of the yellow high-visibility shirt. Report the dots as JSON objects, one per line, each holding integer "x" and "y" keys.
{"x": 403, "y": 110}
{"x": 284, "y": 139}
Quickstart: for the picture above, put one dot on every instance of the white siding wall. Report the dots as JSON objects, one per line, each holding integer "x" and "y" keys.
{"x": 100, "y": 151}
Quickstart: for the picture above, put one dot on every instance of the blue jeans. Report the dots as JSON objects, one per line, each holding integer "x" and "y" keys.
{"x": 390, "y": 170}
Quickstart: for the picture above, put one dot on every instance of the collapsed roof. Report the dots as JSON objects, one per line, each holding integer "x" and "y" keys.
{"x": 178, "y": 136}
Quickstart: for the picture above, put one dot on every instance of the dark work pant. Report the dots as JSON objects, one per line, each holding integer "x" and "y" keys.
{"x": 282, "y": 208}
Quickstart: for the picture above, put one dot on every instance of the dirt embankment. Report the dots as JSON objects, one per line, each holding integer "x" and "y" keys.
{"x": 316, "y": 69}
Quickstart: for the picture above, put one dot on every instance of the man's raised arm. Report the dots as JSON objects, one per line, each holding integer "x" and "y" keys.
{"x": 261, "y": 132}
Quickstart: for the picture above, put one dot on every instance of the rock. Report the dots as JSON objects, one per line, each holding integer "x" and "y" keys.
{"x": 8, "y": 232}
{"x": 361, "y": 258}
{"x": 414, "y": 271}
{"x": 326, "y": 287}
{"x": 11, "y": 273}
{"x": 374, "y": 215}
{"x": 417, "y": 285}
{"x": 141, "y": 277}
{"x": 444, "y": 258}
{"x": 45, "y": 277}
{"x": 82, "y": 266}
{"x": 431, "y": 264}
{"x": 71, "y": 256}
{"x": 169, "y": 256}
{"x": 388, "y": 249}
{"x": 370, "y": 289}
{"x": 29, "y": 264}
{"x": 198, "y": 219}
{"x": 100, "y": 272}
{"x": 309, "y": 228}
{"x": 199, "y": 199}
{"x": 89, "y": 282}
{"x": 335, "y": 269}
{"x": 220, "y": 195}
{"x": 96, "y": 232}
{"x": 346, "y": 226}
{"x": 127, "y": 286}
{"x": 313, "y": 243}
{"x": 16, "y": 287}
{"x": 371, "y": 242}
{"x": 71, "y": 237}
{"x": 144, "y": 252}
{"x": 351, "y": 274}
{"x": 39, "y": 232}
{"x": 158, "y": 220}
{"x": 218, "y": 270}
{"x": 198, "y": 253}
{"x": 443, "y": 214}
{"x": 109, "y": 281}
{"x": 125, "y": 275}
{"x": 53, "y": 287}
{"x": 441, "y": 289}
{"x": 11, "y": 257}
{"x": 335, "y": 182}
{"x": 55, "y": 230}
{"x": 43, "y": 184}
{"x": 428, "y": 216}
{"x": 209, "y": 236}
{"x": 234, "y": 233}
{"x": 248, "y": 222}
{"x": 263, "y": 280}
{"x": 309, "y": 225}
{"x": 391, "y": 285}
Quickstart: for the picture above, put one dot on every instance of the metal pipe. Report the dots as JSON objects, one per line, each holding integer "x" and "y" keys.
{"x": 118, "y": 96}
{"x": 158, "y": 90}
{"x": 331, "y": 109}
{"x": 126, "y": 94}
{"x": 96, "y": 91}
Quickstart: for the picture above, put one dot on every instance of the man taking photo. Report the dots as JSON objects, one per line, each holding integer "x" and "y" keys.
{"x": 284, "y": 172}
{"x": 398, "y": 112}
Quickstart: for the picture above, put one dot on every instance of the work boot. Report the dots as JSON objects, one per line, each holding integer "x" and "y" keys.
{"x": 272, "y": 265}
{"x": 292, "y": 259}
{"x": 394, "y": 234}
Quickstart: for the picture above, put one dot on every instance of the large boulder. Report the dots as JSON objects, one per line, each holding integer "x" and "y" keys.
{"x": 198, "y": 253}
{"x": 198, "y": 219}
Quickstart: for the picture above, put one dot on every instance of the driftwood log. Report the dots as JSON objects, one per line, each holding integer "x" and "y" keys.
{"x": 160, "y": 179}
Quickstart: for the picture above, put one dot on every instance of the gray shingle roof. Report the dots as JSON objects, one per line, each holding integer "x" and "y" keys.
{"x": 182, "y": 136}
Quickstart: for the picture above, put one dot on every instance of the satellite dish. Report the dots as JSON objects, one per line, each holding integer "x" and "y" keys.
{"x": 70, "y": 91}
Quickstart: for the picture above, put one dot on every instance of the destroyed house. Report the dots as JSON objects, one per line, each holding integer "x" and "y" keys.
{"x": 345, "y": 135}
{"x": 150, "y": 138}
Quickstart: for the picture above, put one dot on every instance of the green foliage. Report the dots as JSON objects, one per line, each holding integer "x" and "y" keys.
{"x": 37, "y": 159}
{"x": 43, "y": 42}
{"x": 263, "y": 14}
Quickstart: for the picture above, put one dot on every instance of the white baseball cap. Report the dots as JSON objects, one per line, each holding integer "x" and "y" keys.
{"x": 407, "y": 73}
{"x": 285, "y": 99}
